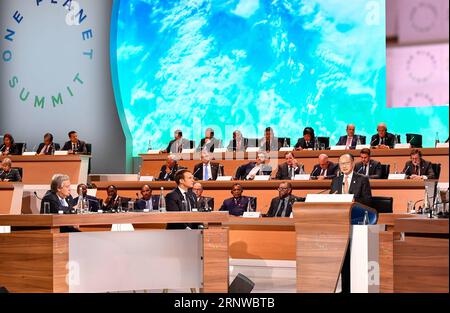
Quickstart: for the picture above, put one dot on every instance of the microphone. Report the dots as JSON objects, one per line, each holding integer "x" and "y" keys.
{"x": 407, "y": 168}
{"x": 2, "y": 147}
{"x": 321, "y": 192}
{"x": 314, "y": 172}
{"x": 197, "y": 170}
{"x": 412, "y": 138}
{"x": 36, "y": 195}
{"x": 359, "y": 171}
{"x": 373, "y": 141}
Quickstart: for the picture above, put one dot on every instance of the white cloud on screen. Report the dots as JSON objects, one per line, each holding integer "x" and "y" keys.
{"x": 246, "y": 8}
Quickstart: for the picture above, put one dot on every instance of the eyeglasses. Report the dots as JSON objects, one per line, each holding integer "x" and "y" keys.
{"x": 345, "y": 163}
{"x": 282, "y": 188}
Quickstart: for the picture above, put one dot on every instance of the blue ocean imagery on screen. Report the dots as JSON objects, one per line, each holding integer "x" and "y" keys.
{"x": 250, "y": 64}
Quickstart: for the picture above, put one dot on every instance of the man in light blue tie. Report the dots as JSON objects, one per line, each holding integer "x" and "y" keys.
{"x": 207, "y": 170}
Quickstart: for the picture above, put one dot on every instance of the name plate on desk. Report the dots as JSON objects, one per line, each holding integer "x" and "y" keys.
{"x": 302, "y": 177}
{"x": 29, "y": 153}
{"x": 122, "y": 227}
{"x": 286, "y": 149}
{"x": 252, "y": 214}
{"x": 61, "y": 152}
{"x": 442, "y": 145}
{"x": 153, "y": 151}
{"x": 402, "y": 146}
{"x": 252, "y": 149}
{"x": 146, "y": 178}
{"x": 224, "y": 178}
{"x": 187, "y": 151}
{"x": 262, "y": 177}
{"x": 397, "y": 176}
{"x": 359, "y": 147}
{"x": 220, "y": 150}
{"x": 338, "y": 147}
{"x": 327, "y": 198}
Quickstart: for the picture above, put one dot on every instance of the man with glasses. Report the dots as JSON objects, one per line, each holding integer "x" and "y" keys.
{"x": 417, "y": 168}
{"x": 290, "y": 168}
{"x": 281, "y": 206}
{"x": 201, "y": 201}
{"x": 351, "y": 182}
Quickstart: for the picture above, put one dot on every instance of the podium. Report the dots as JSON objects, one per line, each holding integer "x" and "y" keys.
{"x": 36, "y": 257}
{"x": 11, "y": 198}
{"x": 323, "y": 233}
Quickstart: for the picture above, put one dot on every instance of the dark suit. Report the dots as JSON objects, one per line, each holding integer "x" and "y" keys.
{"x": 237, "y": 206}
{"x": 343, "y": 141}
{"x": 332, "y": 170}
{"x": 93, "y": 203}
{"x": 55, "y": 204}
{"x": 425, "y": 169}
{"x": 283, "y": 171}
{"x": 201, "y": 205}
{"x": 272, "y": 145}
{"x": 113, "y": 205}
{"x": 276, "y": 211}
{"x": 375, "y": 170}
{"x": 174, "y": 202}
{"x": 359, "y": 187}
{"x": 244, "y": 170}
{"x": 232, "y": 146}
{"x": 140, "y": 204}
{"x": 211, "y": 145}
{"x": 80, "y": 147}
{"x": 301, "y": 143}
{"x": 12, "y": 176}
{"x": 198, "y": 171}
{"x": 51, "y": 149}
{"x": 13, "y": 150}
{"x": 183, "y": 144}
{"x": 170, "y": 176}
{"x": 388, "y": 140}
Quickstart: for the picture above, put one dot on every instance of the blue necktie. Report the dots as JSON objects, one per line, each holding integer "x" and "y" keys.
{"x": 206, "y": 173}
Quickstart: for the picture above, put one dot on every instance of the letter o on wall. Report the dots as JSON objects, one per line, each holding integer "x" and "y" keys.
{"x": 7, "y": 55}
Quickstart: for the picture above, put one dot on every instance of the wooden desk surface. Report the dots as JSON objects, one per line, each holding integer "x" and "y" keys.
{"x": 422, "y": 226}
{"x": 11, "y": 195}
{"x": 47, "y": 158}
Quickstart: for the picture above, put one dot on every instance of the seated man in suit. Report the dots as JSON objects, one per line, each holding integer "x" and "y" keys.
{"x": 148, "y": 201}
{"x": 209, "y": 143}
{"x": 269, "y": 142}
{"x": 75, "y": 146}
{"x": 290, "y": 168}
{"x": 281, "y": 206}
{"x": 177, "y": 144}
{"x": 9, "y": 147}
{"x": 351, "y": 182}
{"x": 207, "y": 170}
{"x": 182, "y": 198}
{"x": 383, "y": 139}
{"x": 168, "y": 170}
{"x": 114, "y": 202}
{"x": 250, "y": 170}
{"x": 93, "y": 203}
{"x": 350, "y": 140}
{"x": 325, "y": 169}
{"x": 417, "y": 168}
{"x": 307, "y": 141}
{"x": 58, "y": 197}
{"x": 238, "y": 204}
{"x": 202, "y": 203}
{"x": 48, "y": 147}
{"x": 239, "y": 143}
{"x": 7, "y": 173}
{"x": 368, "y": 166}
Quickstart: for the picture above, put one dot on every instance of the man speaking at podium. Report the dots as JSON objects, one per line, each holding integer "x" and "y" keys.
{"x": 351, "y": 182}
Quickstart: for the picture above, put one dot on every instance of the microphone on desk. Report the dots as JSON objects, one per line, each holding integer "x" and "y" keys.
{"x": 359, "y": 171}
{"x": 373, "y": 142}
{"x": 197, "y": 170}
{"x": 412, "y": 138}
{"x": 407, "y": 168}
{"x": 312, "y": 174}
{"x": 1, "y": 148}
{"x": 36, "y": 195}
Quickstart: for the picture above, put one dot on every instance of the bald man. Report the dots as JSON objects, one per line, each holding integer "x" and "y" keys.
{"x": 382, "y": 139}
{"x": 351, "y": 182}
{"x": 351, "y": 140}
{"x": 325, "y": 169}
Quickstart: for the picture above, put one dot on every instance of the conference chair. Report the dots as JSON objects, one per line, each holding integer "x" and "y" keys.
{"x": 398, "y": 138}
{"x": 362, "y": 139}
{"x": 324, "y": 141}
{"x": 436, "y": 169}
{"x": 282, "y": 140}
{"x": 191, "y": 144}
{"x": 89, "y": 152}
{"x": 415, "y": 140}
{"x": 20, "y": 171}
{"x": 253, "y": 142}
{"x": 383, "y": 204}
{"x": 21, "y": 146}
{"x": 385, "y": 169}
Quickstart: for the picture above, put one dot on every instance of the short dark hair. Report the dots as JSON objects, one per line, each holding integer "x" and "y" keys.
{"x": 416, "y": 151}
{"x": 365, "y": 151}
{"x": 147, "y": 186}
{"x": 179, "y": 175}
{"x": 308, "y": 131}
{"x": 48, "y": 135}
{"x": 269, "y": 129}
{"x": 288, "y": 184}
{"x": 71, "y": 133}
{"x": 112, "y": 187}
{"x": 237, "y": 184}
{"x": 9, "y": 136}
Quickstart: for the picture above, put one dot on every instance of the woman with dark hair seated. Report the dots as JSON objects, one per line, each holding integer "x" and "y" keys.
{"x": 307, "y": 141}
{"x": 9, "y": 147}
